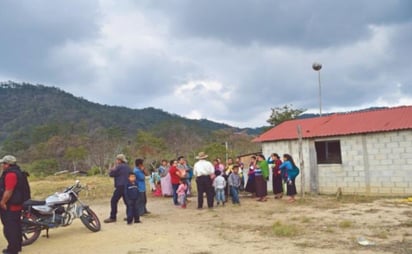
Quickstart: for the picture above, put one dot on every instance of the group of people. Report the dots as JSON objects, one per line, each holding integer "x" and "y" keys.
{"x": 283, "y": 172}
{"x": 216, "y": 181}
{"x": 219, "y": 182}
{"x": 130, "y": 185}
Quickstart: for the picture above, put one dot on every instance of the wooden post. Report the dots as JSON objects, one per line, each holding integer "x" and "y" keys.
{"x": 301, "y": 163}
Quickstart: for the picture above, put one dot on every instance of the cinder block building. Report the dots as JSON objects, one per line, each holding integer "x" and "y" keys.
{"x": 367, "y": 152}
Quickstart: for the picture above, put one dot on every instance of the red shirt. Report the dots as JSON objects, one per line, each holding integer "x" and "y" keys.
{"x": 173, "y": 175}
{"x": 10, "y": 182}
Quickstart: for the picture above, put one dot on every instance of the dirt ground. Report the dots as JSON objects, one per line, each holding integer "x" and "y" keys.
{"x": 311, "y": 225}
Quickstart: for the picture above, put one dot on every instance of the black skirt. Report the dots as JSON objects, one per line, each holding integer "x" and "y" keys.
{"x": 291, "y": 188}
{"x": 250, "y": 185}
{"x": 261, "y": 186}
{"x": 277, "y": 184}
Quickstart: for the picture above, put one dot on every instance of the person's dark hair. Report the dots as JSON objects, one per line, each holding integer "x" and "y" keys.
{"x": 138, "y": 162}
{"x": 164, "y": 160}
{"x": 253, "y": 157}
{"x": 289, "y": 158}
{"x": 276, "y": 155}
{"x": 171, "y": 162}
{"x": 180, "y": 157}
{"x": 262, "y": 156}
{"x": 218, "y": 173}
{"x": 131, "y": 173}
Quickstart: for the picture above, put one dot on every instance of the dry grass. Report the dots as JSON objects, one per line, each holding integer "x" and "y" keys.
{"x": 96, "y": 187}
{"x": 345, "y": 224}
{"x": 284, "y": 230}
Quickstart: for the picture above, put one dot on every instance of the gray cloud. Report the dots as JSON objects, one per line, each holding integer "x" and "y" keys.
{"x": 31, "y": 29}
{"x": 304, "y": 23}
{"x": 229, "y": 61}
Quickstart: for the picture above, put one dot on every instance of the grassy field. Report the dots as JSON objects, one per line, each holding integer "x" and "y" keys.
{"x": 95, "y": 187}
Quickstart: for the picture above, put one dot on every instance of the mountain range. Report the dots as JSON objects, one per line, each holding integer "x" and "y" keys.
{"x": 25, "y": 106}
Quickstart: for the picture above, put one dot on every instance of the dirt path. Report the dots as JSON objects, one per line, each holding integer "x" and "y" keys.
{"x": 315, "y": 225}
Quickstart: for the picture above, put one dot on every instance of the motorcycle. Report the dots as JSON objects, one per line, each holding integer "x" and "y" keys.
{"x": 59, "y": 209}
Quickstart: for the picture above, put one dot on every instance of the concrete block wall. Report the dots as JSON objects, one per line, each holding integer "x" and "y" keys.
{"x": 377, "y": 163}
{"x": 292, "y": 148}
{"x": 390, "y": 162}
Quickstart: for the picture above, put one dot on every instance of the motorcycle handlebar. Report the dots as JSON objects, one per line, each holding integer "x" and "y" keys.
{"x": 75, "y": 185}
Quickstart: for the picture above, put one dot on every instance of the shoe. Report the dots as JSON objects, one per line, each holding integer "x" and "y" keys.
{"x": 137, "y": 221}
{"x": 125, "y": 219}
{"x": 109, "y": 220}
{"x": 147, "y": 212}
{"x": 129, "y": 223}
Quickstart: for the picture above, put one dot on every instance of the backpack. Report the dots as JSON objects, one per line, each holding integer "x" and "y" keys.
{"x": 22, "y": 190}
{"x": 294, "y": 172}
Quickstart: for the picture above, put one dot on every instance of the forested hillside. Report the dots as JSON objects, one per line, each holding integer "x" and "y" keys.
{"x": 53, "y": 130}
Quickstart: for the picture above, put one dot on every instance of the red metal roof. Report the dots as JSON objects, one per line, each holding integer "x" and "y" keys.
{"x": 380, "y": 120}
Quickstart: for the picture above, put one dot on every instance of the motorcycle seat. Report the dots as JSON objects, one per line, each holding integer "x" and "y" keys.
{"x": 33, "y": 202}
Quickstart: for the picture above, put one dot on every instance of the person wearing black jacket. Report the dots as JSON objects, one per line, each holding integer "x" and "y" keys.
{"x": 11, "y": 203}
{"x": 120, "y": 173}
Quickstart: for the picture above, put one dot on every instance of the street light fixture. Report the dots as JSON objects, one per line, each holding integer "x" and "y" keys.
{"x": 317, "y": 66}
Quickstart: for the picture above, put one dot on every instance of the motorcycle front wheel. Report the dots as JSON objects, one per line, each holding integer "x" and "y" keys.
{"x": 90, "y": 220}
{"x": 30, "y": 231}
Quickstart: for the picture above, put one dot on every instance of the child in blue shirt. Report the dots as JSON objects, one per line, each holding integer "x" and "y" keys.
{"x": 132, "y": 196}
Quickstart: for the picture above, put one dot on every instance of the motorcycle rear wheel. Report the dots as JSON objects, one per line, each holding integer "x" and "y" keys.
{"x": 90, "y": 220}
{"x": 30, "y": 231}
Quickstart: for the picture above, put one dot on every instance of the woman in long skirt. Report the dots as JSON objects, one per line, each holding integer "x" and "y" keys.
{"x": 289, "y": 165}
{"x": 261, "y": 177}
{"x": 277, "y": 185}
{"x": 165, "y": 181}
{"x": 250, "y": 184}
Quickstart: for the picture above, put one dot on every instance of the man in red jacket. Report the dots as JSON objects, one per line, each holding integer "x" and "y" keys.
{"x": 10, "y": 204}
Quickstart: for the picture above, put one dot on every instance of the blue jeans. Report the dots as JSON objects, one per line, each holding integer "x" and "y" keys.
{"x": 182, "y": 199}
{"x": 220, "y": 195}
{"x": 117, "y": 195}
{"x": 132, "y": 210}
{"x": 234, "y": 191}
{"x": 175, "y": 186}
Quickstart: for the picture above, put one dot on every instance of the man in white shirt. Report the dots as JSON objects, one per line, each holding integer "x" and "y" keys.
{"x": 204, "y": 172}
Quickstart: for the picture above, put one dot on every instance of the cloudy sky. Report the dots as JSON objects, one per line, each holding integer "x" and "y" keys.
{"x": 225, "y": 60}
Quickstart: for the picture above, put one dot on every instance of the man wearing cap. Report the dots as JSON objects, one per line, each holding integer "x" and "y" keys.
{"x": 121, "y": 176}
{"x": 10, "y": 204}
{"x": 204, "y": 171}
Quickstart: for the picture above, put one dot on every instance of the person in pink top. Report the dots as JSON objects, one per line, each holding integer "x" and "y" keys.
{"x": 181, "y": 193}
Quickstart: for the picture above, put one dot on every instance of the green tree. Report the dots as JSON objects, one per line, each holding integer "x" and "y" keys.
{"x": 75, "y": 154}
{"x": 281, "y": 114}
{"x": 149, "y": 146}
{"x": 44, "y": 167}
{"x": 215, "y": 150}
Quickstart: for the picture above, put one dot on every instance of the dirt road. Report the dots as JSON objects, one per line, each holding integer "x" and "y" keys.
{"x": 314, "y": 225}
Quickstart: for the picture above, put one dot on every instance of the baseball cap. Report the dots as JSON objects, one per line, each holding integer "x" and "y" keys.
{"x": 9, "y": 159}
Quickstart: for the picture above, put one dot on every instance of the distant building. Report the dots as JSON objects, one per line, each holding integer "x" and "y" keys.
{"x": 367, "y": 152}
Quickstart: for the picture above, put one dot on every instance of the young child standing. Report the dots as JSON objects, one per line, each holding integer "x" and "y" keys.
{"x": 219, "y": 183}
{"x": 181, "y": 192}
{"x": 234, "y": 184}
{"x": 132, "y": 195}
